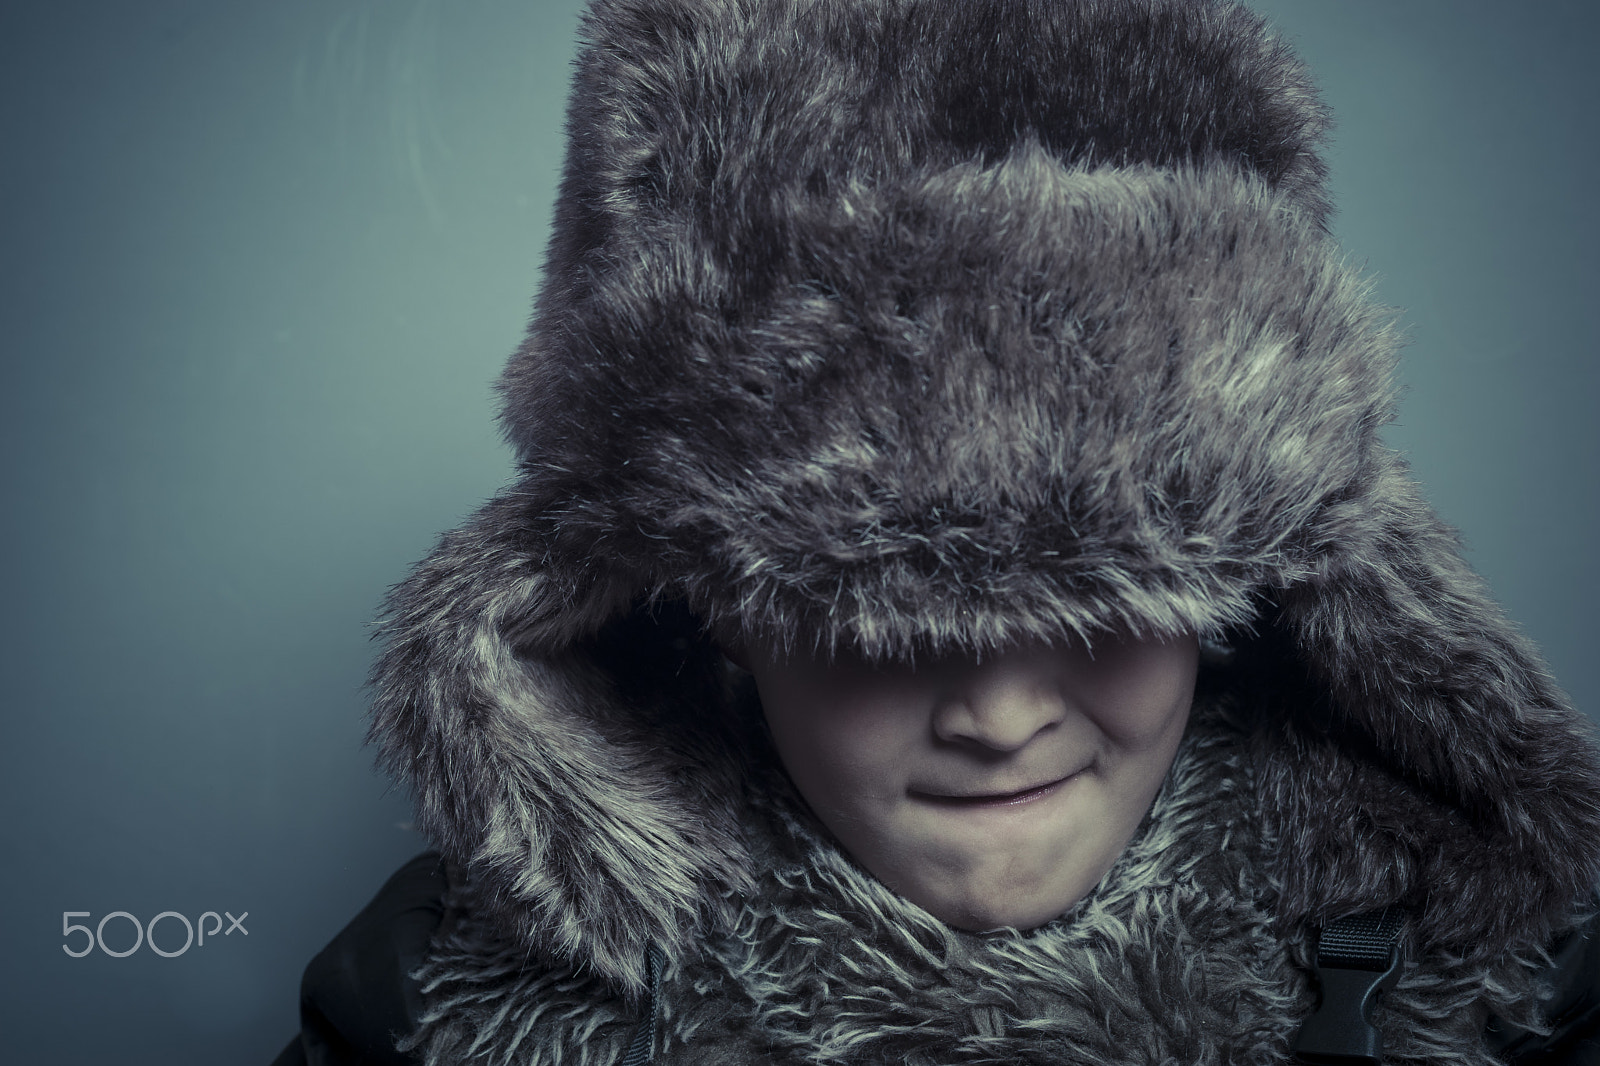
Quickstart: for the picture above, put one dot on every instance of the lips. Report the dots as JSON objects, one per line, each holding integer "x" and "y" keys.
{"x": 993, "y": 799}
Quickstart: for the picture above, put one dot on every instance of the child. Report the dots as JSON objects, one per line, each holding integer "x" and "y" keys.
{"x": 979, "y": 377}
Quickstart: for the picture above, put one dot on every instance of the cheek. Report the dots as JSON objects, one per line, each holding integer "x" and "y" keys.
{"x": 841, "y": 749}
{"x": 1142, "y": 694}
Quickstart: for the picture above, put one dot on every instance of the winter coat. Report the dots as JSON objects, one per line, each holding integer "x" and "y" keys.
{"x": 1174, "y": 957}
{"x": 924, "y": 327}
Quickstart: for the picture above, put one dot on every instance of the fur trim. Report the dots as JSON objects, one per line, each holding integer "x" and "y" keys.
{"x": 1176, "y": 956}
{"x": 914, "y": 325}
{"x": 488, "y": 1003}
{"x": 598, "y": 810}
{"x": 1433, "y": 760}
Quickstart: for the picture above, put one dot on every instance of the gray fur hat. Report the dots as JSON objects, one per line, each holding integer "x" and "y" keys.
{"x": 927, "y": 325}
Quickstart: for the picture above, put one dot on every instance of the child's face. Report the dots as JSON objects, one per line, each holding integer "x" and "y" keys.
{"x": 991, "y": 794}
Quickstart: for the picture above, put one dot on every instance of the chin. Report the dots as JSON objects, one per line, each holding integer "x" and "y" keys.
{"x": 1000, "y": 907}
{"x": 999, "y": 919}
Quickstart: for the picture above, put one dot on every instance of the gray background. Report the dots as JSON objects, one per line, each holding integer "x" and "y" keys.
{"x": 259, "y": 264}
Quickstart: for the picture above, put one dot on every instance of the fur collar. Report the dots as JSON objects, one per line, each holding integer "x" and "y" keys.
{"x": 1176, "y": 956}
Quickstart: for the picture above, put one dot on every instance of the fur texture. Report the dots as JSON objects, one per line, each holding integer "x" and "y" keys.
{"x": 920, "y": 325}
{"x": 1176, "y": 956}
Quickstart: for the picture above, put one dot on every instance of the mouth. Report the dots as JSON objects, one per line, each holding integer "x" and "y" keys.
{"x": 970, "y": 801}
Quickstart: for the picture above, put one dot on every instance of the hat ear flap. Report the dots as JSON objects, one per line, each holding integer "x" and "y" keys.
{"x": 1438, "y": 723}
{"x": 601, "y": 828}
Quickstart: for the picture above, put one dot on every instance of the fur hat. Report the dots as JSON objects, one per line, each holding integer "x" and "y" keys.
{"x": 916, "y": 326}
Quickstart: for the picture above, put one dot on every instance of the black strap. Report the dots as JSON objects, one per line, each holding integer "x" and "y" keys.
{"x": 1358, "y": 959}
{"x": 642, "y": 1048}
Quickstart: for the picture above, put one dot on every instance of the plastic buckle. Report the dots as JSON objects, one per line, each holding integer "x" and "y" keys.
{"x": 1341, "y": 1032}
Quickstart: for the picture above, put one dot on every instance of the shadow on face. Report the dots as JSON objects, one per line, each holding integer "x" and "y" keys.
{"x": 992, "y": 792}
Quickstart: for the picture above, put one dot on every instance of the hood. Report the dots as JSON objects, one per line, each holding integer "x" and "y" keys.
{"x": 916, "y": 326}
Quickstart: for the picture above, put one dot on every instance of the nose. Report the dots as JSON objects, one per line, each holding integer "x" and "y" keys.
{"x": 1001, "y": 704}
